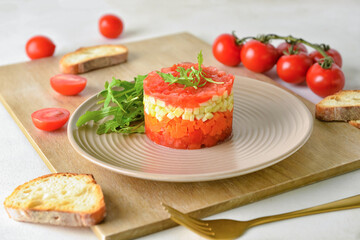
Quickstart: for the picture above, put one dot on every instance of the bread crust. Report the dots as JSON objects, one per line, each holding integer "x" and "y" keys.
{"x": 339, "y": 112}
{"x": 57, "y": 217}
{"x": 92, "y": 62}
{"x": 355, "y": 123}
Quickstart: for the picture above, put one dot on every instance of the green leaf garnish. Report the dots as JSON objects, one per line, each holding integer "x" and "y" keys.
{"x": 190, "y": 77}
{"x": 123, "y": 104}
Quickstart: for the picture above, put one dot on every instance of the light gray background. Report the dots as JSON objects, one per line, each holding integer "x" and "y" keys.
{"x": 71, "y": 24}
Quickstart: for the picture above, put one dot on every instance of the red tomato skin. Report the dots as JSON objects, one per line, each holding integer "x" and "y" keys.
{"x": 226, "y": 51}
{"x": 50, "y": 119}
{"x": 68, "y": 84}
{"x": 285, "y": 47}
{"x": 316, "y": 56}
{"x": 258, "y": 57}
{"x": 293, "y": 68}
{"x": 325, "y": 82}
{"x": 111, "y": 26}
{"x": 39, "y": 47}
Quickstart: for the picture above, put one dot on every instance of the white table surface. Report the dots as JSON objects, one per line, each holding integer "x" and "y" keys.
{"x": 71, "y": 24}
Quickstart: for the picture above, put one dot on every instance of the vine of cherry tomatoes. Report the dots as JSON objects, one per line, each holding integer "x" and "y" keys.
{"x": 321, "y": 69}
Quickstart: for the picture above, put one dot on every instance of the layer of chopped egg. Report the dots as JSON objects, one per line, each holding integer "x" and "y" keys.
{"x": 157, "y": 108}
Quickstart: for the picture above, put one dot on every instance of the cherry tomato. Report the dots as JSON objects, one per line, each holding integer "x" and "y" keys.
{"x": 226, "y": 51}
{"x": 316, "y": 56}
{"x": 50, "y": 119}
{"x": 325, "y": 82}
{"x": 110, "y": 26}
{"x": 258, "y": 57}
{"x": 39, "y": 47}
{"x": 285, "y": 47}
{"x": 68, "y": 84}
{"x": 293, "y": 68}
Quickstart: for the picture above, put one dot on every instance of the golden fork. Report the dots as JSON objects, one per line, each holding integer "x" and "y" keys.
{"x": 230, "y": 229}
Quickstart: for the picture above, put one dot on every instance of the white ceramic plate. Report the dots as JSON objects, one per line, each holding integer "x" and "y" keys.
{"x": 269, "y": 125}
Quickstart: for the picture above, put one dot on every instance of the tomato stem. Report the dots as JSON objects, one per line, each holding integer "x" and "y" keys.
{"x": 325, "y": 63}
{"x": 239, "y": 41}
{"x": 292, "y": 50}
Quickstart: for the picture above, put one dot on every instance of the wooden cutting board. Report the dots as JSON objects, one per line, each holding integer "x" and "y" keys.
{"x": 133, "y": 205}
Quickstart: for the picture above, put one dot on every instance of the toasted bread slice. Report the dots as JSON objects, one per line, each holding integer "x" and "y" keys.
{"x": 342, "y": 106}
{"x": 89, "y": 58}
{"x": 65, "y": 199}
{"x": 355, "y": 123}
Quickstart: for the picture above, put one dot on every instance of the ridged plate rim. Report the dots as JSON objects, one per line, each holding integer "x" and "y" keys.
{"x": 200, "y": 176}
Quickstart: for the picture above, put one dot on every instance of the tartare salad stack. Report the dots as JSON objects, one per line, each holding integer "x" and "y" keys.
{"x": 188, "y": 117}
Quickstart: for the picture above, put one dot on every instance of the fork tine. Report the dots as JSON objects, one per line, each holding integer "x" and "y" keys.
{"x": 207, "y": 234}
{"x": 193, "y": 220}
{"x": 188, "y": 220}
{"x": 182, "y": 219}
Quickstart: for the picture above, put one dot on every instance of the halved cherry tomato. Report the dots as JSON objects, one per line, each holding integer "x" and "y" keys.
{"x": 226, "y": 51}
{"x": 325, "y": 82}
{"x": 258, "y": 57}
{"x": 50, "y": 119}
{"x": 316, "y": 56}
{"x": 68, "y": 84}
{"x": 110, "y": 26}
{"x": 284, "y": 47}
{"x": 293, "y": 68}
{"x": 39, "y": 47}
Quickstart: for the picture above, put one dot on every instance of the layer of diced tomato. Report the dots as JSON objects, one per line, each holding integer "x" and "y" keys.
{"x": 186, "y": 134}
{"x": 189, "y": 97}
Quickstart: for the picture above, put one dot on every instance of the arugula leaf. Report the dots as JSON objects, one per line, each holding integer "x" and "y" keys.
{"x": 139, "y": 81}
{"x": 200, "y": 60}
{"x": 95, "y": 115}
{"x": 122, "y": 106}
{"x": 190, "y": 77}
{"x": 168, "y": 77}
